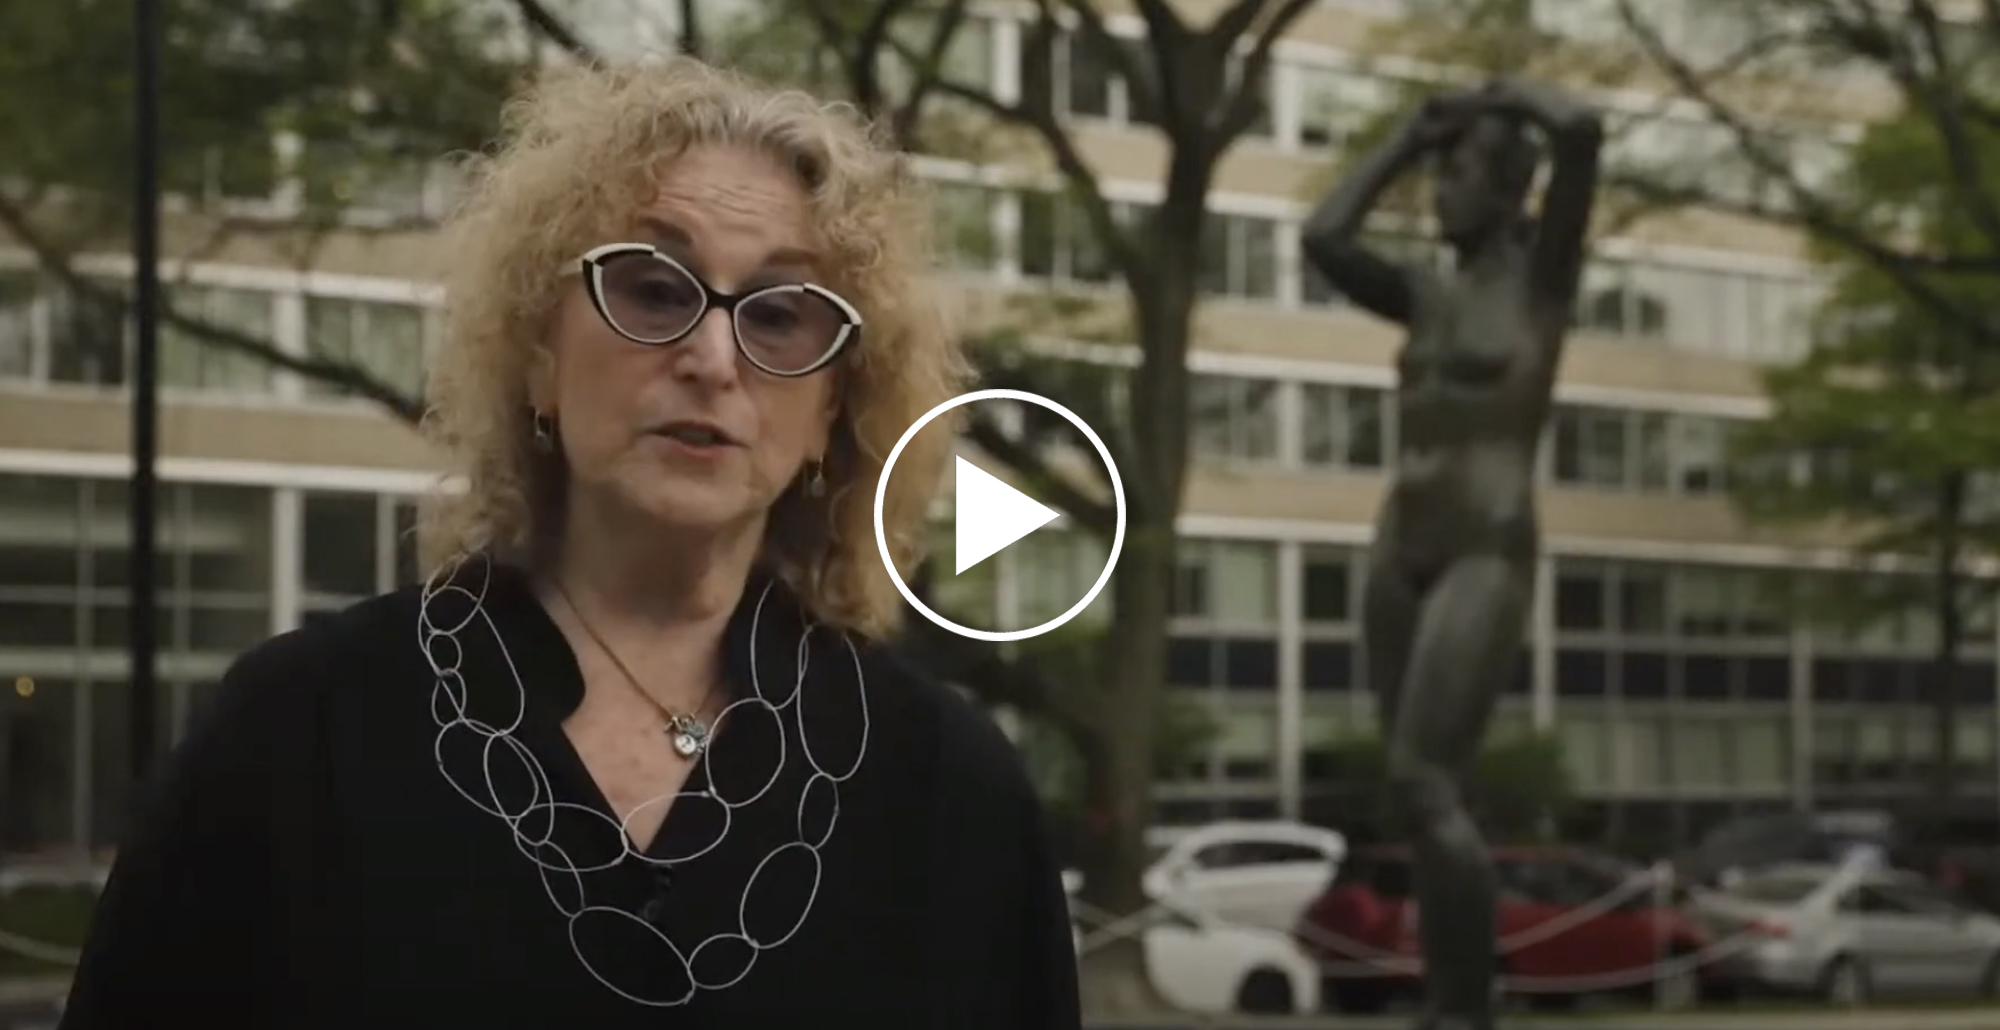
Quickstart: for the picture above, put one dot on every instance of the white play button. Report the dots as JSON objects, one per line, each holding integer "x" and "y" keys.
{"x": 990, "y": 515}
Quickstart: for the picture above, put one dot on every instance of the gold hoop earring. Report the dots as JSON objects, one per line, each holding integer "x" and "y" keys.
{"x": 544, "y": 427}
{"x": 816, "y": 479}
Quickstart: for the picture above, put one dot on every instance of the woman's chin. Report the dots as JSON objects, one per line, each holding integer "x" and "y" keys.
{"x": 696, "y": 506}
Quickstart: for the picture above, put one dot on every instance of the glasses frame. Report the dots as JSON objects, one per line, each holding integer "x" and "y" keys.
{"x": 592, "y": 265}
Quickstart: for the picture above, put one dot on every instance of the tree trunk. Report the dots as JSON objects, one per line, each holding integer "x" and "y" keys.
{"x": 1118, "y": 777}
{"x": 1118, "y": 758}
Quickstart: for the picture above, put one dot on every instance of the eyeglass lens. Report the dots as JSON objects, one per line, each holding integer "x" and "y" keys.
{"x": 781, "y": 328}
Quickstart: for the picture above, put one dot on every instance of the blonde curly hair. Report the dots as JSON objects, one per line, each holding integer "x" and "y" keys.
{"x": 579, "y": 151}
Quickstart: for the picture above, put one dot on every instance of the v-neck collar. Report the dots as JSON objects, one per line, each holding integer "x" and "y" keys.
{"x": 548, "y": 663}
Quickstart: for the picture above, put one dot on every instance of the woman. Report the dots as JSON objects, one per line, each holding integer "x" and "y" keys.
{"x": 632, "y": 757}
{"x": 1452, "y": 567}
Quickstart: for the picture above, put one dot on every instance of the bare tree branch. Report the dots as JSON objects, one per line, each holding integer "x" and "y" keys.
{"x": 690, "y": 35}
{"x": 1241, "y": 109}
{"x": 1143, "y": 86}
{"x": 1809, "y": 208}
{"x": 57, "y": 264}
{"x": 1120, "y": 249}
{"x": 545, "y": 24}
{"x": 1939, "y": 95}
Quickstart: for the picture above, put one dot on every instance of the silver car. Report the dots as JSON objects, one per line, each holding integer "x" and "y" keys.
{"x": 1851, "y": 933}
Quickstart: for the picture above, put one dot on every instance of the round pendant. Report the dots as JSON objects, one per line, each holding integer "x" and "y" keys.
{"x": 690, "y": 736}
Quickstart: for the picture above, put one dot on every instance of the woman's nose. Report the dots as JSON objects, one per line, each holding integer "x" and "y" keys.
{"x": 709, "y": 350}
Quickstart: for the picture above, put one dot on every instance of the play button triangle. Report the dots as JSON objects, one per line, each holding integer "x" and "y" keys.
{"x": 990, "y": 515}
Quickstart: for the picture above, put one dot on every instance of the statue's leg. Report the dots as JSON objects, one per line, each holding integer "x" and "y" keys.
{"x": 1389, "y": 606}
{"x": 1461, "y": 658}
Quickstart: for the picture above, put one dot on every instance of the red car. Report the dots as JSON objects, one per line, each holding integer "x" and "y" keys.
{"x": 1570, "y": 923}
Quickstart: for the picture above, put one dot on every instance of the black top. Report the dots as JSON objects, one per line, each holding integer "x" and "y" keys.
{"x": 380, "y": 823}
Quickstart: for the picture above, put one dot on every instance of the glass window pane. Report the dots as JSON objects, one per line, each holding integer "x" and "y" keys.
{"x": 1638, "y": 753}
{"x": 1245, "y": 581}
{"x": 18, "y": 295}
{"x": 383, "y": 340}
{"x": 1326, "y": 585}
{"x": 87, "y": 337}
{"x": 338, "y": 539}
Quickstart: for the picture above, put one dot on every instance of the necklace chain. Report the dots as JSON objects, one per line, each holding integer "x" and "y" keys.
{"x": 689, "y": 732}
{"x": 452, "y": 605}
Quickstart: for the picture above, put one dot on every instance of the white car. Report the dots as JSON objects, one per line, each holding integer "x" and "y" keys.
{"x": 1200, "y": 966}
{"x": 1250, "y": 874}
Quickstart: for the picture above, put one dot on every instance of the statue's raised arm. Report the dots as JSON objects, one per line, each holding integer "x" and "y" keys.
{"x": 1332, "y": 236}
{"x": 1575, "y": 132}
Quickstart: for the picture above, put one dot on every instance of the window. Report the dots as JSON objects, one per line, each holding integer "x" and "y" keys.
{"x": 1227, "y": 580}
{"x": 1700, "y": 449}
{"x": 1236, "y": 854}
{"x": 1239, "y": 256}
{"x": 1645, "y": 451}
{"x": 18, "y": 296}
{"x": 383, "y": 339}
{"x": 964, "y": 217}
{"x": 1054, "y": 569}
{"x": 1081, "y": 79}
{"x": 1058, "y": 242}
{"x": 1581, "y": 596}
{"x": 189, "y": 361}
{"x": 1609, "y": 301}
{"x": 1591, "y": 446}
{"x": 1638, "y": 753}
{"x": 408, "y": 567}
{"x": 1235, "y": 418}
{"x": 87, "y": 336}
{"x": 1334, "y": 105}
{"x": 1701, "y": 751}
{"x": 1776, "y": 888}
{"x": 1326, "y": 583}
{"x": 339, "y": 539}
{"x": 1344, "y": 426}
{"x": 1702, "y": 602}
{"x": 1642, "y": 599}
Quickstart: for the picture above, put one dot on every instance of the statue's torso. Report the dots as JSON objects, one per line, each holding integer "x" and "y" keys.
{"x": 1475, "y": 377}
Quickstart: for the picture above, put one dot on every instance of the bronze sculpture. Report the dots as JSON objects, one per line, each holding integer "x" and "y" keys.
{"x": 1451, "y": 571}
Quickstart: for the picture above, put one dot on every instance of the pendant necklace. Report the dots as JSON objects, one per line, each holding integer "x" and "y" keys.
{"x": 686, "y": 729}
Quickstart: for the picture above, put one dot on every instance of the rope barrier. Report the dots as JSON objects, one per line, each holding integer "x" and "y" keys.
{"x": 39, "y": 951}
{"x": 1360, "y": 960}
{"x": 1366, "y": 961}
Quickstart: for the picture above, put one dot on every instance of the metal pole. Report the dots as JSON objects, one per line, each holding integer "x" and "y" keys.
{"x": 145, "y": 384}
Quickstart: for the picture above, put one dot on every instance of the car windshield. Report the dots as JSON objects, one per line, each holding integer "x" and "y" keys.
{"x": 1776, "y": 889}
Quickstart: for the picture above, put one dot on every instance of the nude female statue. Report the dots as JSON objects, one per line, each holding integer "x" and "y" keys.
{"x": 1451, "y": 571}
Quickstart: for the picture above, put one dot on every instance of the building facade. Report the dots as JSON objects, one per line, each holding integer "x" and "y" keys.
{"x": 1681, "y": 694}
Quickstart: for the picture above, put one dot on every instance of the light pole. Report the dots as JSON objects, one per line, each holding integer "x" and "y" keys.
{"x": 143, "y": 585}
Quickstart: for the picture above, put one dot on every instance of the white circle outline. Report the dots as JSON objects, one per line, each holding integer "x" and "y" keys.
{"x": 1117, "y": 537}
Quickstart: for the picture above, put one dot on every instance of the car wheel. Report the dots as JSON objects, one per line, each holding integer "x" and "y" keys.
{"x": 1265, "y": 992}
{"x": 1845, "y": 983}
{"x": 1359, "y": 997}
